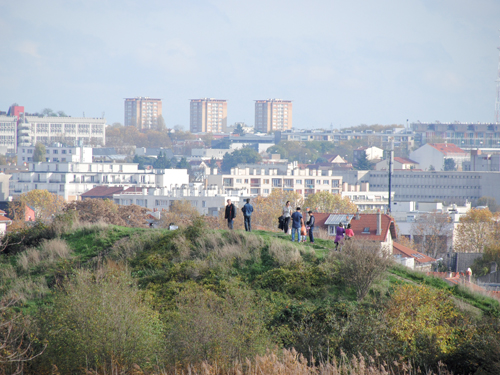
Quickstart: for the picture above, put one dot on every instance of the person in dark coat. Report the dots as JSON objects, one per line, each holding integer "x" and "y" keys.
{"x": 230, "y": 214}
{"x": 310, "y": 224}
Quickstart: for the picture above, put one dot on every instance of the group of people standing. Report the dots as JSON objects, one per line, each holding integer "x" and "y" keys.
{"x": 299, "y": 225}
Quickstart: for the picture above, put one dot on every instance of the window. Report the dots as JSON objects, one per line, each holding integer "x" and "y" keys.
{"x": 238, "y": 180}
{"x": 326, "y": 182}
{"x": 298, "y": 182}
{"x": 61, "y": 187}
{"x": 366, "y": 230}
{"x": 55, "y": 151}
{"x": 266, "y": 191}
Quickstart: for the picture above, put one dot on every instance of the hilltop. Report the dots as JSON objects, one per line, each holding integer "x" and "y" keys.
{"x": 94, "y": 296}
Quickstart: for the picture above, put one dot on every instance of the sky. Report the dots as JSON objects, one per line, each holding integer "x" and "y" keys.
{"x": 342, "y": 63}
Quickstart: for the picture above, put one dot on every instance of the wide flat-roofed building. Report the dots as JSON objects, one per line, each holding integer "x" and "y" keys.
{"x": 208, "y": 115}
{"x": 272, "y": 115}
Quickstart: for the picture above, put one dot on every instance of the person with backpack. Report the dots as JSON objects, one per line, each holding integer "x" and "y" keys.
{"x": 310, "y": 224}
{"x": 247, "y": 215}
{"x": 230, "y": 214}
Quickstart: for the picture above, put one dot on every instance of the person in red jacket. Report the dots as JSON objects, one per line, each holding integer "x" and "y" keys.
{"x": 349, "y": 232}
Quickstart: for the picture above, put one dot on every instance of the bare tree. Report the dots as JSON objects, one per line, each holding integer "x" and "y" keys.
{"x": 431, "y": 231}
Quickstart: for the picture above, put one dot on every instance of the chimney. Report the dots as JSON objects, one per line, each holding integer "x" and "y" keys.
{"x": 357, "y": 214}
{"x": 379, "y": 223}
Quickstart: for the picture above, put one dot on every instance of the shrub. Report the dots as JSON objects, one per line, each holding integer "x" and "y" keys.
{"x": 361, "y": 263}
{"x": 206, "y": 327}
{"x": 284, "y": 252}
{"x": 99, "y": 320}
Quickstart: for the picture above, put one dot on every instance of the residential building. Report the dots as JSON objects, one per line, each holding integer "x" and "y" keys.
{"x": 431, "y": 156}
{"x": 262, "y": 179}
{"x": 70, "y": 180}
{"x": 411, "y": 258}
{"x": 399, "y": 163}
{"x": 273, "y": 115}
{"x": 8, "y": 134}
{"x": 365, "y": 199}
{"x": 56, "y": 153}
{"x": 480, "y": 162}
{"x": 207, "y": 200}
{"x": 372, "y": 153}
{"x": 67, "y": 130}
{"x": 466, "y": 135}
{"x": 4, "y": 222}
{"x": 208, "y": 115}
{"x": 142, "y": 112}
{"x": 372, "y": 227}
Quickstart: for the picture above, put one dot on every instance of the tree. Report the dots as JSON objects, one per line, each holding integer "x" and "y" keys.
{"x": 324, "y": 201}
{"x": 243, "y": 156}
{"x": 489, "y": 202}
{"x": 46, "y": 205}
{"x": 239, "y": 130}
{"x": 183, "y": 164}
{"x": 430, "y": 232}
{"x": 362, "y": 163}
{"x": 432, "y": 168}
{"x": 268, "y": 209}
{"x": 476, "y": 230}
{"x": 162, "y": 162}
{"x": 95, "y": 210}
{"x": 181, "y": 213}
{"x": 39, "y": 155}
{"x": 449, "y": 164}
{"x": 161, "y": 124}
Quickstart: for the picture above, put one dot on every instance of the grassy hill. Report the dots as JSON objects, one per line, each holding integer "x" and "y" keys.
{"x": 97, "y": 296}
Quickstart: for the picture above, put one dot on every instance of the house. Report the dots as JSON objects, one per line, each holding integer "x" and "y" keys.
{"x": 411, "y": 258}
{"x": 102, "y": 192}
{"x": 4, "y": 222}
{"x": 373, "y": 227}
{"x": 432, "y": 156}
{"x": 372, "y": 153}
{"x": 399, "y": 164}
{"x": 334, "y": 159}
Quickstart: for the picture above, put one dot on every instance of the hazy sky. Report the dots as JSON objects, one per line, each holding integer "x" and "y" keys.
{"x": 342, "y": 62}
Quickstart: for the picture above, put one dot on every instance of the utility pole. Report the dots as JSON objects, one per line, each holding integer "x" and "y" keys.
{"x": 391, "y": 166}
{"x": 497, "y": 103}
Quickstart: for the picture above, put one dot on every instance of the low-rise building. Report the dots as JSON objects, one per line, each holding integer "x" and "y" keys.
{"x": 56, "y": 153}
{"x": 399, "y": 164}
{"x": 262, "y": 179}
{"x": 207, "y": 200}
{"x": 431, "y": 156}
{"x": 70, "y": 180}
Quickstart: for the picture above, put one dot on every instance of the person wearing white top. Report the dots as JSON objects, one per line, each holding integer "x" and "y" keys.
{"x": 287, "y": 214}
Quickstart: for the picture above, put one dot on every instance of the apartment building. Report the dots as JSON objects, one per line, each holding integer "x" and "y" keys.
{"x": 466, "y": 135}
{"x": 56, "y": 153}
{"x": 262, "y": 179}
{"x": 142, "y": 112}
{"x": 273, "y": 115}
{"x": 70, "y": 179}
{"x": 69, "y": 130}
{"x": 8, "y": 134}
{"x": 207, "y": 200}
{"x": 208, "y": 115}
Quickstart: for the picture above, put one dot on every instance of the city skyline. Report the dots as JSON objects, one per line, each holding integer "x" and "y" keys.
{"x": 341, "y": 63}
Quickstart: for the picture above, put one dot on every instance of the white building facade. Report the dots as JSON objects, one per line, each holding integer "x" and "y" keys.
{"x": 70, "y": 180}
{"x": 56, "y": 153}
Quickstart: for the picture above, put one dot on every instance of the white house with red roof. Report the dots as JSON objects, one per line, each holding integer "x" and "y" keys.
{"x": 411, "y": 258}
{"x": 373, "y": 227}
{"x": 4, "y": 222}
{"x": 434, "y": 154}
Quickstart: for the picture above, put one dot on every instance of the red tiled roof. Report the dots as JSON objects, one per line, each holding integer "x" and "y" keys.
{"x": 407, "y": 252}
{"x": 365, "y": 221}
{"x": 3, "y": 218}
{"x": 132, "y": 189}
{"x": 103, "y": 191}
{"x": 447, "y": 148}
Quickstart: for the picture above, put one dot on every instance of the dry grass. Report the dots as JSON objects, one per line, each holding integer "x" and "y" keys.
{"x": 284, "y": 252}
{"x": 27, "y": 289}
{"x": 50, "y": 251}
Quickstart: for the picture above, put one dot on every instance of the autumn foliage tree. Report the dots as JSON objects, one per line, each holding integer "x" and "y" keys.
{"x": 476, "y": 230}
{"x": 325, "y": 201}
{"x": 45, "y": 204}
{"x": 431, "y": 231}
{"x": 95, "y": 210}
{"x": 268, "y": 209}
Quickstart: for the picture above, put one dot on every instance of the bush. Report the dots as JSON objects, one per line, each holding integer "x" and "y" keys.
{"x": 361, "y": 263}
{"x": 99, "y": 320}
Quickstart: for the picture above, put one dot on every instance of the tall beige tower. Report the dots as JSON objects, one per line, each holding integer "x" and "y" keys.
{"x": 208, "y": 115}
{"x": 272, "y": 115}
{"x": 142, "y": 112}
